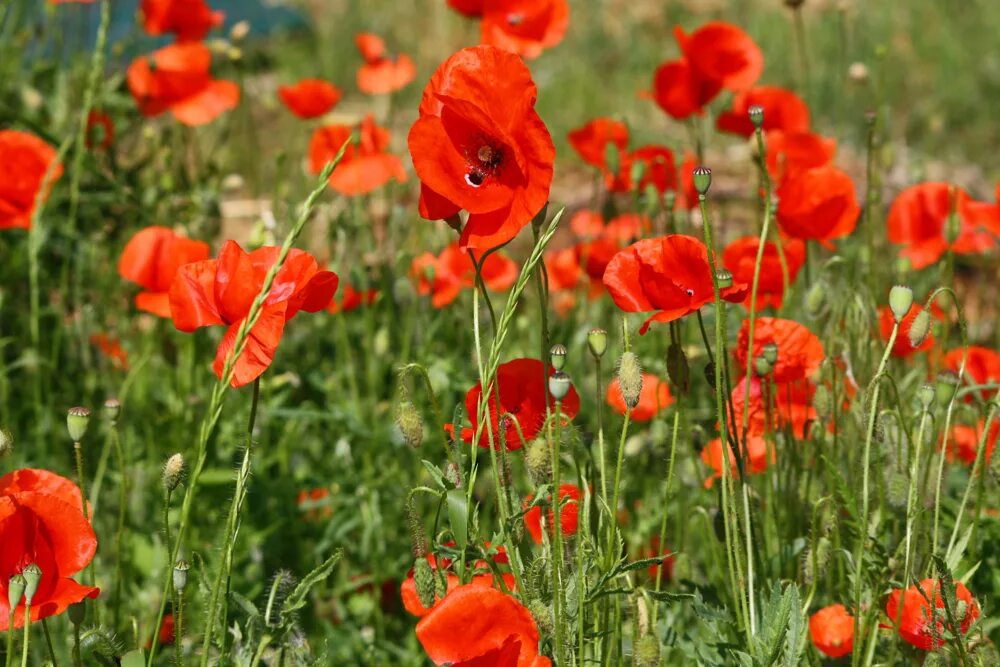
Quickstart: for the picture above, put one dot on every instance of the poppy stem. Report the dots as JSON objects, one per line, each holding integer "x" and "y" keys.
{"x": 976, "y": 474}
{"x": 667, "y": 495}
{"x": 27, "y": 634}
{"x": 10, "y": 637}
{"x": 555, "y": 439}
{"x": 122, "y": 513}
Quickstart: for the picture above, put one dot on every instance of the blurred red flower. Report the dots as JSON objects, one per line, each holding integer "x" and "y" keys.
{"x": 982, "y": 366}
{"x": 112, "y": 349}
{"x": 382, "y": 72}
{"x": 757, "y": 453}
{"x": 922, "y": 620}
{"x": 100, "y": 131}
{"x": 313, "y": 503}
{"x": 832, "y": 631}
{"x": 352, "y": 299}
{"x": 445, "y": 276}
{"x": 189, "y": 20}
{"x": 310, "y": 98}
{"x": 479, "y": 145}
{"x": 569, "y": 502}
{"x": 800, "y": 352}
{"x": 818, "y": 204}
{"x": 653, "y": 550}
{"x": 791, "y": 406}
{"x": 177, "y": 78}
{"x": 151, "y": 259}
{"x": 471, "y": 8}
{"x": 655, "y": 396}
{"x": 24, "y": 160}
{"x": 525, "y": 27}
{"x": 740, "y": 259}
{"x": 902, "y": 347}
{"x": 965, "y": 441}
{"x": 669, "y": 275}
{"x": 783, "y": 110}
{"x": 789, "y": 153}
{"x": 564, "y": 274}
{"x": 366, "y": 166}
{"x": 221, "y": 291}
{"x": 591, "y": 141}
{"x": 42, "y": 523}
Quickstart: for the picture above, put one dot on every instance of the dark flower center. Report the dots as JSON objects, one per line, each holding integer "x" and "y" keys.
{"x": 484, "y": 162}
{"x": 515, "y": 19}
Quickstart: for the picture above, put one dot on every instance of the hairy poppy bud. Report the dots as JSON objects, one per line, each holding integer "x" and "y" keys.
{"x": 823, "y": 402}
{"x": 815, "y": 299}
{"x": 6, "y": 442}
{"x": 946, "y": 386}
{"x": 112, "y": 409}
{"x": 919, "y": 328}
{"x": 724, "y": 278}
{"x": 647, "y": 652}
{"x": 597, "y": 341}
{"x": 32, "y": 575}
{"x": 410, "y": 424}
{"x": 415, "y": 527}
{"x": 423, "y": 577}
{"x": 173, "y": 471}
{"x": 677, "y": 368}
{"x": 761, "y": 366}
{"x": 926, "y": 396}
{"x": 76, "y": 423}
{"x": 815, "y": 560}
{"x": 559, "y": 385}
{"x": 15, "y": 590}
{"x": 771, "y": 353}
{"x": 538, "y": 461}
{"x": 557, "y": 356}
{"x": 542, "y": 615}
{"x": 630, "y": 378}
{"x": 702, "y": 177}
{"x": 756, "y": 113}
{"x": 440, "y": 587}
{"x": 181, "y": 568}
{"x": 900, "y": 301}
{"x": 77, "y": 613}
{"x": 898, "y": 490}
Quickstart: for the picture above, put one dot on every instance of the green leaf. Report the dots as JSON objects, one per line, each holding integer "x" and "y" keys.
{"x": 458, "y": 517}
{"x": 297, "y": 598}
{"x": 435, "y": 473}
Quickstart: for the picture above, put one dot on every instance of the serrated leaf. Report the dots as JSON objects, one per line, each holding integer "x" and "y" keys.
{"x": 297, "y": 599}
{"x": 435, "y": 473}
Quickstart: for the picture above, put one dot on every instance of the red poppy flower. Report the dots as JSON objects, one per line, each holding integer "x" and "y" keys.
{"x": 569, "y": 501}
{"x": 591, "y": 141}
{"x": 818, "y": 204}
{"x": 382, "y": 72}
{"x": 310, "y": 98}
{"x": 965, "y": 441}
{"x": 445, "y": 276}
{"x": 757, "y": 449}
{"x": 800, "y": 352}
{"x": 42, "y": 523}
{"x": 740, "y": 259}
{"x": 112, "y": 349}
{"x": 471, "y": 8}
{"x": 918, "y": 220}
{"x": 523, "y": 397}
{"x": 479, "y": 145}
{"x": 221, "y": 291}
{"x": 352, "y": 299}
{"x": 100, "y": 131}
{"x": 479, "y": 625}
{"x": 659, "y": 169}
{"x": 653, "y": 550}
{"x": 151, "y": 259}
{"x": 832, "y": 631}
{"x": 902, "y": 346}
{"x": 189, "y": 20}
{"x": 982, "y": 366}
{"x": 366, "y": 166}
{"x": 669, "y": 275}
{"x": 783, "y": 110}
{"x": 791, "y": 406}
{"x": 587, "y": 224}
{"x": 24, "y": 160}
{"x": 789, "y": 153}
{"x": 166, "y": 634}
{"x": 177, "y": 78}
{"x": 482, "y": 576}
{"x": 923, "y": 619}
{"x": 679, "y": 92}
{"x": 314, "y": 504}
{"x": 525, "y": 27}
{"x": 655, "y": 396}
{"x": 563, "y": 269}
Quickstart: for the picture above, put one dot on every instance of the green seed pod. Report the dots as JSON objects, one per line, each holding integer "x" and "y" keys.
{"x": 637, "y": 172}
{"x": 678, "y": 371}
{"x": 630, "y": 378}
{"x": 702, "y": 177}
{"x": 761, "y": 366}
{"x": 946, "y": 386}
{"x": 724, "y": 278}
{"x": 538, "y": 461}
{"x": 112, "y": 410}
{"x": 424, "y": 578}
{"x": 557, "y": 356}
{"x": 647, "y": 652}
{"x": 15, "y": 590}
{"x": 756, "y": 113}
{"x": 919, "y": 328}
{"x": 559, "y": 385}
{"x": 926, "y": 396}
{"x": 410, "y": 423}
{"x": 815, "y": 300}
{"x": 900, "y": 301}
{"x": 76, "y": 423}
{"x": 77, "y": 612}
{"x": 181, "y": 568}
{"x": 597, "y": 341}
{"x": 173, "y": 472}
{"x": 823, "y": 402}
{"x": 32, "y": 576}
{"x": 770, "y": 352}
{"x": 542, "y": 615}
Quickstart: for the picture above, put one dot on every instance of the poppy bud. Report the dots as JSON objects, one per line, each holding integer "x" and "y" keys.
{"x": 630, "y": 378}
{"x": 542, "y": 615}
{"x": 32, "y": 575}
{"x": 538, "y": 462}
{"x": 823, "y": 402}
{"x": 76, "y": 423}
{"x": 815, "y": 299}
{"x": 636, "y": 172}
{"x": 702, "y": 177}
{"x": 173, "y": 471}
{"x": 946, "y": 386}
{"x": 410, "y": 424}
{"x": 771, "y": 352}
{"x": 813, "y": 560}
{"x": 724, "y": 278}
{"x": 181, "y": 568}
{"x": 77, "y": 613}
{"x": 415, "y": 528}
{"x": 597, "y": 341}
{"x": 898, "y": 490}
{"x": 112, "y": 409}
{"x": 423, "y": 577}
{"x": 15, "y": 590}
{"x": 440, "y": 587}
{"x": 6, "y": 442}
{"x": 557, "y": 356}
{"x": 709, "y": 372}
{"x": 762, "y": 366}
{"x": 919, "y": 328}
{"x": 239, "y": 31}
{"x": 900, "y": 301}
{"x": 559, "y": 385}
{"x": 677, "y": 368}
{"x": 926, "y": 396}
{"x": 611, "y": 158}
{"x": 647, "y": 652}
{"x": 756, "y": 113}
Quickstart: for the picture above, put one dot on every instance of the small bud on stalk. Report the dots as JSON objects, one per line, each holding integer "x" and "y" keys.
{"x": 538, "y": 462}
{"x": 702, "y": 177}
{"x": 77, "y": 420}
{"x": 559, "y": 385}
{"x": 423, "y": 577}
{"x": 756, "y": 113}
{"x": 946, "y": 386}
{"x": 77, "y": 613}
{"x": 32, "y": 576}
{"x": 770, "y": 352}
{"x": 597, "y": 341}
{"x": 557, "y": 356}
{"x": 112, "y": 410}
{"x": 926, "y": 396}
{"x": 15, "y": 590}
{"x": 181, "y": 568}
{"x": 761, "y": 366}
{"x": 173, "y": 471}
{"x": 900, "y": 301}
{"x": 919, "y": 328}
{"x": 724, "y": 278}
{"x": 630, "y": 378}
{"x": 410, "y": 424}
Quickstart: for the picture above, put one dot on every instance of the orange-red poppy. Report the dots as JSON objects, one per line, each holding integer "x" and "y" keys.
{"x": 569, "y": 502}
{"x": 445, "y": 276}
{"x": 42, "y": 523}
{"x": 221, "y": 291}
{"x": 525, "y": 27}
{"x": 789, "y": 153}
{"x": 655, "y": 396}
{"x": 591, "y": 141}
{"x": 564, "y": 274}
{"x": 757, "y": 453}
{"x": 659, "y": 169}
{"x": 818, "y": 204}
{"x": 482, "y": 575}
{"x": 800, "y": 352}
{"x": 479, "y": 145}
{"x": 922, "y": 620}
{"x": 669, "y": 275}
{"x": 480, "y": 626}
{"x": 918, "y": 220}
{"x": 351, "y": 299}
{"x": 24, "y": 161}
{"x": 314, "y": 503}
{"x": 471, "y": 8}
{"x": 788, "y": 404}
{"x": 902, "y": 346}
{"x": 189, "y": 20}
{"x": 151, "y": 259}
{"x": 382, "y": 72}
{"x": 740, "y": 259}
{"x": 982, "y": 366}
{"x": 112, "y": 350}
{"x": 964, "y": 441}
{"x": 167, "y": 633}
{"x": 176, "y": 78}
{"x": 310, "y": 98}
{"x": 832, "y": 631}
{"x": 100, "y": 130}
{"x": 783, "y": 110}
{"x": 653, "y": 550}
{"x": 365, "y": 166}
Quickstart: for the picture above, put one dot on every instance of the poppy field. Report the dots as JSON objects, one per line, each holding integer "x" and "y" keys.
{"x": 498, "y": 333}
